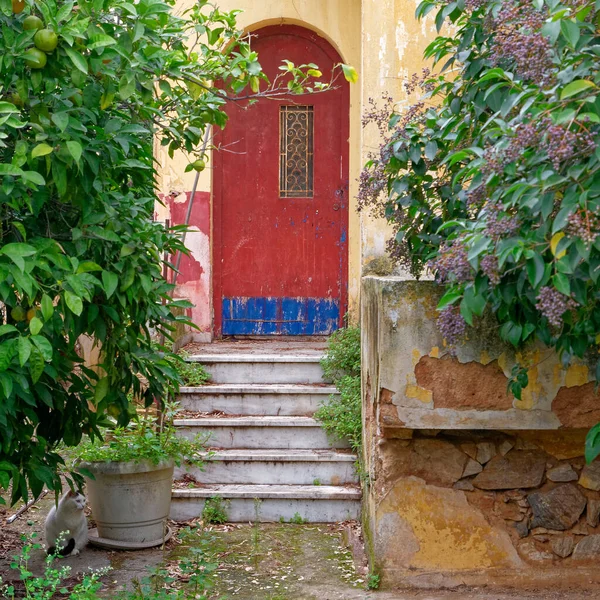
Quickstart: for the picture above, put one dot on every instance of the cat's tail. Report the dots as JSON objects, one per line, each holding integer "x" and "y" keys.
{"x": 63, "y": 551}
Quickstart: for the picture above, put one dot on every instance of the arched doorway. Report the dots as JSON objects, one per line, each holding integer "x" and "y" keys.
{"x": 280, "y": 202}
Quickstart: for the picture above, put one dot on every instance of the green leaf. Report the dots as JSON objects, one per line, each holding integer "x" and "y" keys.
{"x": 511, "y": 332}
{"x": 101, "y": 390}
{"x": 431, "y": 149}
{"x": 570, "y": 31}
{"x": 535, "y": 270}
{"x": 561, "y": 283}
{"x": 61, "y": 120}
{"x": 6, "y": 354}
{"x": 575, "y": 87}
{"x": 41, "y": 150}
{"x": 74, "y": 302}
{"x": 592, "y": 444}
{"x": 450, "y": 297}
{"x": 349, "y": 73}
{"x": 4, "y": 329}
{"x": 110, "y": 282}
{"x": 36, "y": 365}
{"x": 75, "y": 150}
{"x": 126, "y": 87}
{"x": 47, "y": 307}
{"x": 24, "y": 349}
{"x": 35, "y": 326}
{"x": 77, "y": 59}
{"x": 43, "y": 345}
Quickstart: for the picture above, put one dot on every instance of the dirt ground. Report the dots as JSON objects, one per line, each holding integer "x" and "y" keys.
{"x": 246, "y": 562}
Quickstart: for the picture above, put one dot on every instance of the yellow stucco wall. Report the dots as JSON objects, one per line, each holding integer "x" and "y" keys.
{"x": 393, "y": 43}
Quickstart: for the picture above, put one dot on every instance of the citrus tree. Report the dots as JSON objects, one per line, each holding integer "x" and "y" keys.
{"x": 86, "y": 88}
{"x": 492, "y": 179}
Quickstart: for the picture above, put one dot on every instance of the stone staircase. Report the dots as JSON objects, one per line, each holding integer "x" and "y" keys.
{"x": 266, "y": 445}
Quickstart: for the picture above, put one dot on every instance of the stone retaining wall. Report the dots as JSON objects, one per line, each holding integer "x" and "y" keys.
{"x": 466, "y": 483}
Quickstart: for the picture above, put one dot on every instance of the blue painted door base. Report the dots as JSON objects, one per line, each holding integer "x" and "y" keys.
{"x": 280, "y": 316}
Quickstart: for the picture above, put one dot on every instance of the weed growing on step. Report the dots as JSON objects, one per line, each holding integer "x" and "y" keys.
{"x": 215, "y": 510}
{"x": 193, "y": 374}
{"x": 297, "y": 519}
{"x": 373, "y": 581}
{"x": 316, "y": 481}
{"x": 340, "y": 415}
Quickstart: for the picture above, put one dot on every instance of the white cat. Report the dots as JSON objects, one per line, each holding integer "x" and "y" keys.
{"x": 68, "y": 517}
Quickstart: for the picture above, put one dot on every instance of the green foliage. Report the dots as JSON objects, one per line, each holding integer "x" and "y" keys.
{"x": 373, "y": 581}
{"x": 141, "y": 439}
{"x": 192, "y": 374}
{"x": 80, "y": 253}
{"x": 51, "y": 582}
{"x": 215, "y": 510}
{"x": 197, "y": 566}
{"x": 343, "y": 354}
{"x": 297, "y": 519}
{"x": 341, "y": 415}
{"x": 493, "y": 178}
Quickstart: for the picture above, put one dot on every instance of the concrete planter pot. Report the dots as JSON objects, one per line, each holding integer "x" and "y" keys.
{"x": 130, "y": 502}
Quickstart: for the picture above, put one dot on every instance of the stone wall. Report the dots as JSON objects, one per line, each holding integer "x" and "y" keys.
{"x": 466, "y": 483}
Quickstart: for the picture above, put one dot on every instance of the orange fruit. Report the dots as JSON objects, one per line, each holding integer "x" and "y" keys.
{"x": 18, "y": 6}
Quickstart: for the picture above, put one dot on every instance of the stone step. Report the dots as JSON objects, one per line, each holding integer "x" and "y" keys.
{"x": 259, "y": 432}
{"x": 271, "y": 503}
{"x": 275, "y": 466}
{"x": 262, "y": 368}
{"x": 255, "y": 398}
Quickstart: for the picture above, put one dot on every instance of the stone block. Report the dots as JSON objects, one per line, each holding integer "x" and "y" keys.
{"x": 562, "y": 473}
{"x": 590, "y": 476}
{"x": 557, "y": 509}
{"x": 518, "y": 469}
{"x": 563, "y": 546}
{"x": 472, "y": 468}
{"x": 593, "y": 512}
{"x": 485, "y": 452}
{"x": 588, "y": 548}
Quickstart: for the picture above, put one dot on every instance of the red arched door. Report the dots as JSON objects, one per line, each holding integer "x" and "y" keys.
{"x": 280, "y": 218}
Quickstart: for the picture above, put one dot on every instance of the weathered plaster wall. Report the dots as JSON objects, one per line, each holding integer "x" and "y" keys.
{"x": 339, "y": 21}
{"x": 393, "y": 43}
{"x": 466, "y": 483}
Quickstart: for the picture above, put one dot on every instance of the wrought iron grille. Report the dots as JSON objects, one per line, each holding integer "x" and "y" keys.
{"x": 296, "y": 139}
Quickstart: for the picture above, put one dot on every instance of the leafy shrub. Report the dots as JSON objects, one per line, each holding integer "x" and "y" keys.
{"x": 343, "y": 354}
{"x": 341, "y": 415}
{"x": 491, "y": 178}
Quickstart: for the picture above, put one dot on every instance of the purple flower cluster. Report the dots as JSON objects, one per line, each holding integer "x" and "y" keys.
{"x": 451, "y": 264}
{"x": 562, "y": 144}
{"x": 473, "y": 5}
{"x": 499, "y": 224}
{"x": 489, "y": 267}
{"x": 518, "y": 40}
{"x": 553, "y": 305}
{"x": 584, "y": 225}
{"x": 476, "y": 198}
{"x": 451, "y": 324}
{"x": 419, "y": 81}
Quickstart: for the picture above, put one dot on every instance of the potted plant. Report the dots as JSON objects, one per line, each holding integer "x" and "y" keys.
{"x": 129, "y": 476}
